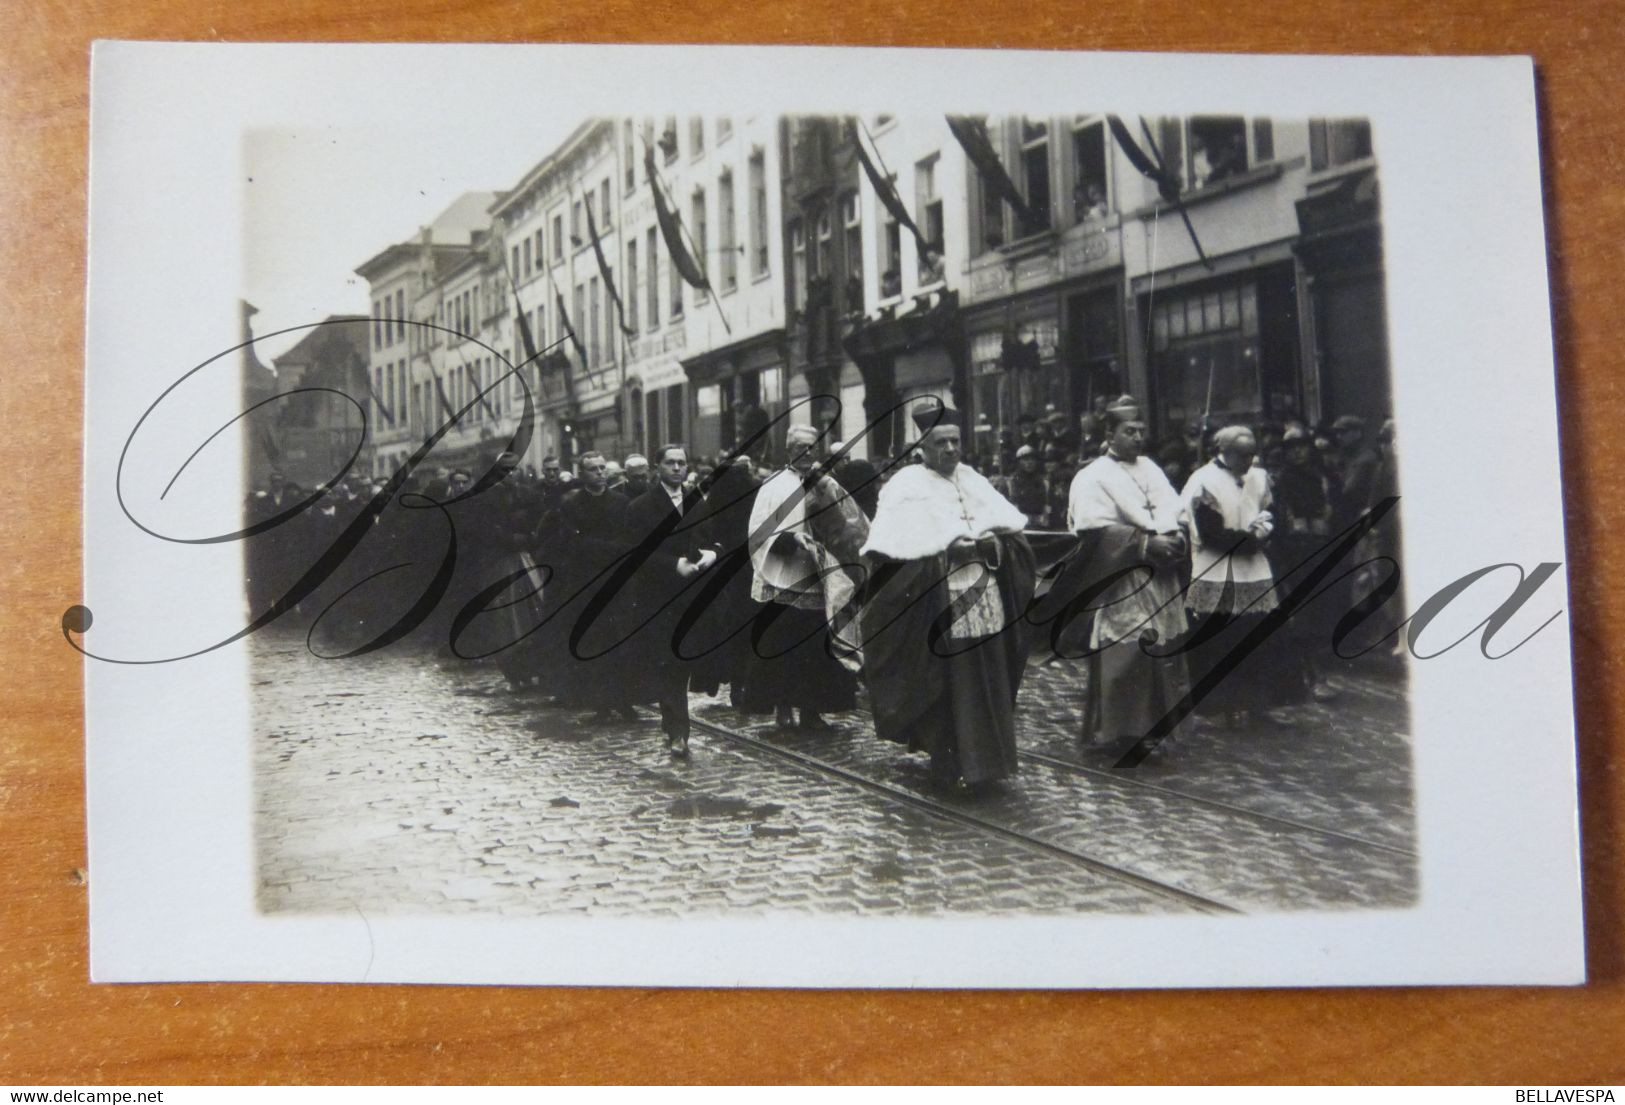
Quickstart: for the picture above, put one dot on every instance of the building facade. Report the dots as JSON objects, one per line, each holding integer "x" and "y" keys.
{"x": 1020, "y": 268}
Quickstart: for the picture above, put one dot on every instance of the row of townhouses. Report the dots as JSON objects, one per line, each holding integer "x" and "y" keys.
{"x": 691, "y": 279}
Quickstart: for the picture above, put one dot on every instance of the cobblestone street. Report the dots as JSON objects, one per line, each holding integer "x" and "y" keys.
{"x": 399, "y": 783}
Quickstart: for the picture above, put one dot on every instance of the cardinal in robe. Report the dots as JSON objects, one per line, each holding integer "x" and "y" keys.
{"x": 950, "y": 577}
{"x": 805, "y": 535}
{"x": 1131, "y": 525}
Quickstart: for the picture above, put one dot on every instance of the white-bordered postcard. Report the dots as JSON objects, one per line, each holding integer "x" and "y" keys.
{"x": 822, "y": 517}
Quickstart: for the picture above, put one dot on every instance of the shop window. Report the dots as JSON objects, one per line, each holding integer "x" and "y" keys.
{"x": 1035, "y": 172}
{"x": 1205, "y": 356}
{"x": 1218, "y": 145}
{"x": 772, "y": 386}
{"x": 928, "y": 205}
{"x": 1334, "y": 142}
{"x": 1089, "y": 180}
{"x": 708, "y": 400}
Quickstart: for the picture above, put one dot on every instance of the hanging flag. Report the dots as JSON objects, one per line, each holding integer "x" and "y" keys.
{"x": 1154, "y": 168}
{"x": 886, "y": 191}
{"x": 527, "y": 340}
{"x": 1167, "y": 183}
{"x": 671, "y": 229}
{"x": 389, "y": 415}
{"x": 603, "y": 268}
{"x": 475, "y": 384}
{"x": 440, "y": 389}
{"x": 971, "y": 134}
{"x": 569, "y": 328}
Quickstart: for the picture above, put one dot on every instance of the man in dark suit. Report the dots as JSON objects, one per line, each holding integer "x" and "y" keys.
{"x": 663, "y": 526}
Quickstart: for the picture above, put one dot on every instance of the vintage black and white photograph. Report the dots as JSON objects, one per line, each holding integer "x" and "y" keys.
{"x": 857, "y": 514}
{"x": 781, "y": 511}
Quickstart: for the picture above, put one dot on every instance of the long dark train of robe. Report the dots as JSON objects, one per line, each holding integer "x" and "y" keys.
{"x": 959, "y": 707}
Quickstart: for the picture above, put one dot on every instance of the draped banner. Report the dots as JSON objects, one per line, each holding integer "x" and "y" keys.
{"x": 971, "y": 134}
{"x": 671, "y": 229}
{"x": 603, "y": 269}
{"x": 886, "y": 191}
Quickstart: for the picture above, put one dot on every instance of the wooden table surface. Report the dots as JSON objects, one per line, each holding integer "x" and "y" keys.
{"x": 57, "y": 1029}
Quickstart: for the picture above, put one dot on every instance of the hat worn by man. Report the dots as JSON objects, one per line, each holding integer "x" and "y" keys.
{"x": 1349, "y": 422}
{"x": 1026, "y": 451}
{"x": 928, "y": 418}
{"x": 1122, "y": 409}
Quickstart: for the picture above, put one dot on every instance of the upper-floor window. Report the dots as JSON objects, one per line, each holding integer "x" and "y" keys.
{"x": 575, "y": 224}
{"x": 1334, "y": 142}
{"x": 696, "y": 136}
{"x": 725, "y": 231}
{"x": 928, "y": 205}
{"x": 400, "y": 313}
{"x": 668, "y": 139}
{"x": 629, "y": 155}
{"x": 891, "y": 258}
{"x": 1218, "y": 148}
{"x": 513, "y": 264}
{"x": 631, "y": 296}
{"x": 676, "y": 305}
{"x": 758, "y": 212}
{"x": 852, "y": 241}
{"x": 654, "y": 277}
{"x": 798, "y": 264}
{"x": 539, "y": 253}
{"x": 527, "y": 267}
{"x": 605, "y": 212}
{"x": 1035, "y": 171}
{"x": 825, "y": 247}
{"x": 697, "y": 229}
{"x": 558, "y": 237}
{"x": 593, "y": 348}
{"x": 1090, "y": 184}
{"x": 725, "y": 128}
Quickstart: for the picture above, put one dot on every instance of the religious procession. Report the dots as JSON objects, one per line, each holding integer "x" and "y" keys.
{"x": 918, "y": 589}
